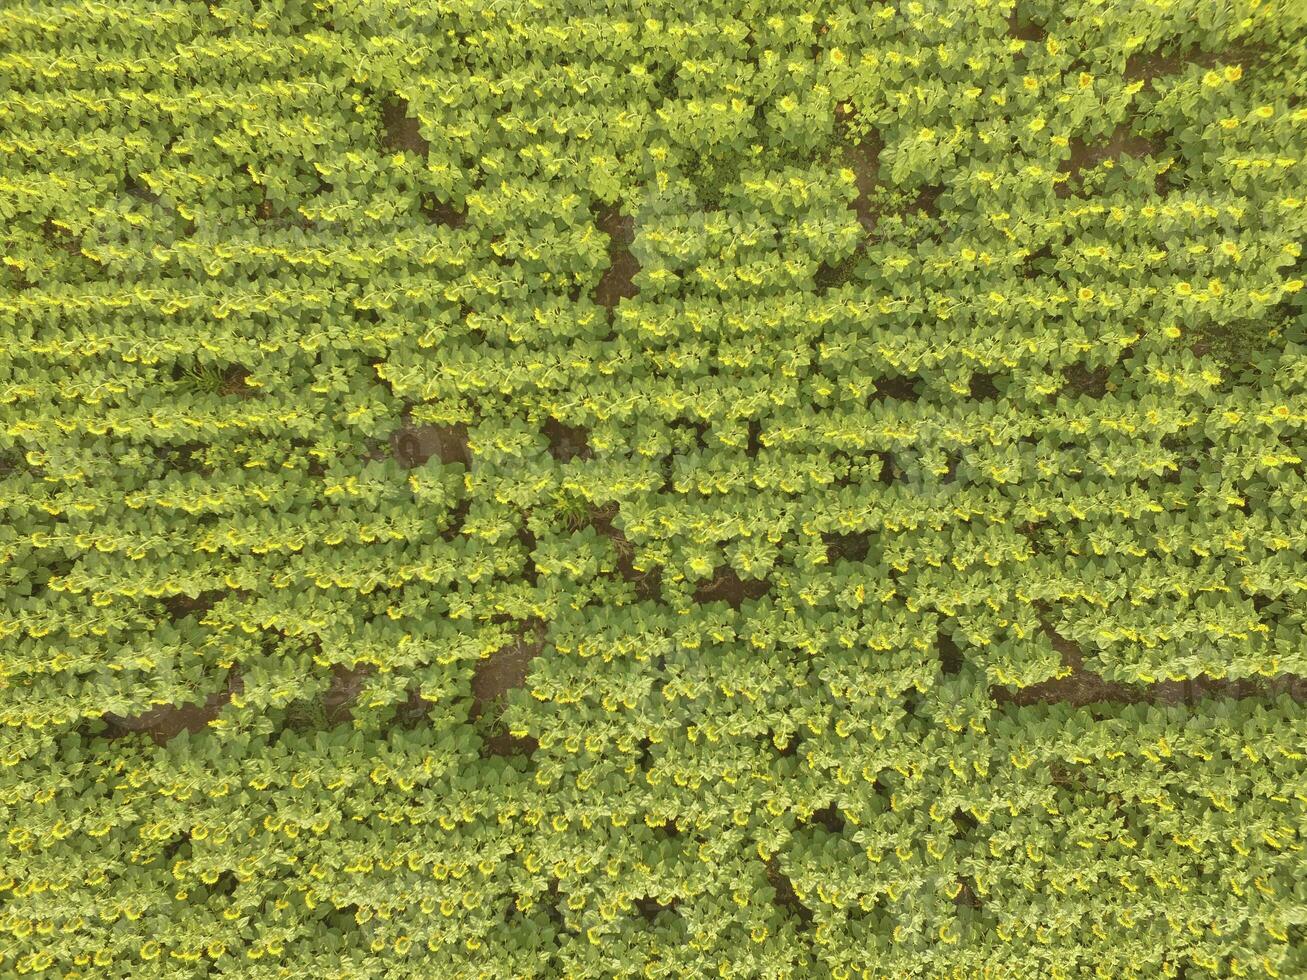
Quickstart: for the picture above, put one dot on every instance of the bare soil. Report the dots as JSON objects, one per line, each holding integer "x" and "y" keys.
{"x": 233, "y": 382}
{"x": 134, "y": 188}
{"x": 1082, "y": 381}
{"x": 899, "y": 387}
{"x": 950, "y": 654}
{"x": 413, "y": 445}
{"x": 401, "y": 131}
{"x": 1028, "y": 31}
{"x": 863, "y": 159}
{"x": 181, "y": 606}
{"x": 164, "y": 722}
{"x": 1147, "y": 65}
{"x": 504, "y": 670}
{"x": 414, "y": 710}
{"x": 1152, "y": 64}
{"x": 346, "y": 685}
{"x": 1080, "y": 688}
{"x": 567, "y": 442}
{"x": 726, "y": 586}
{"x": 785, "y": 896}
{"x": 1122, "y": 142}
{"x": 852, "y": 546}
{"x": 927, "y": 201}
{"x": 648, "y": 585}
{"x": 829, "y": 276}
{"x": 983, "y": 386}
{"x": 443, "y": 213}
{"x": 501, "y": 672}
{"x": 1084, "y": 687}
{"x": 617, "y": 282}
{"x": 61, "y": 238}
{"x": 967, "y": 896}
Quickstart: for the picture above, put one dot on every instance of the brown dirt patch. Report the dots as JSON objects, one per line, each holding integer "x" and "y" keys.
{"x": 617, "y": 282}
{"x": 649, "y": 907}
{"x": 413, "y": 710}
{"x": 967, "y": 895}
{"x": 134, "y": 188}
{"x": 1080, "y": 380}
{"x": 851, "y": 546}
{"x": 279, "y": 215}
{"x": 233, "y": 382}
{"x": 164, "y": 722}
{"x": 899, "y": 387}
{"x": 567, "y": 442}
{"x": 1143, "y": 65}
{"x": 346, "y": 685}
{"x": 863, "y": 159}
{"x": 619, "y": 227}
{"x": 1122, "y": 142}
{"x": 726, "y": 586}
{"x": 983, "y": 386}
{"x": 647, "y": 584}
{"x": 1146, "y": 65}
{"x": 413, "y": 445}
{"x": 442, "y": 212}
{"x": 1025, "y": 31}
{"x": 401, "y": 131}
{"x": 1031, "y": 265}
{"x": 828, "y": 817}
{"x": 1085, "y": 687}
{"x": 927, "y": 201}
{"x": 1188, "y": 691}
{"x": 1080, "y": 688}
{"x": 181, "y": 606}
{"x": 950, "y": 654}
{"x": 503, "y": 671}
{"x": 62, "y": 238}
{"x": 829, "y": 276}
{"x": 785, "y": 896}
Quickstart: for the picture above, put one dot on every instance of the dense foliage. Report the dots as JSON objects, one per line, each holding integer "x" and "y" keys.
{"x": 506, "y": 488}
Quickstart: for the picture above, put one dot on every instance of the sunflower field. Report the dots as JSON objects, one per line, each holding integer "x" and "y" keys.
{"x": 503, "y": 489}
